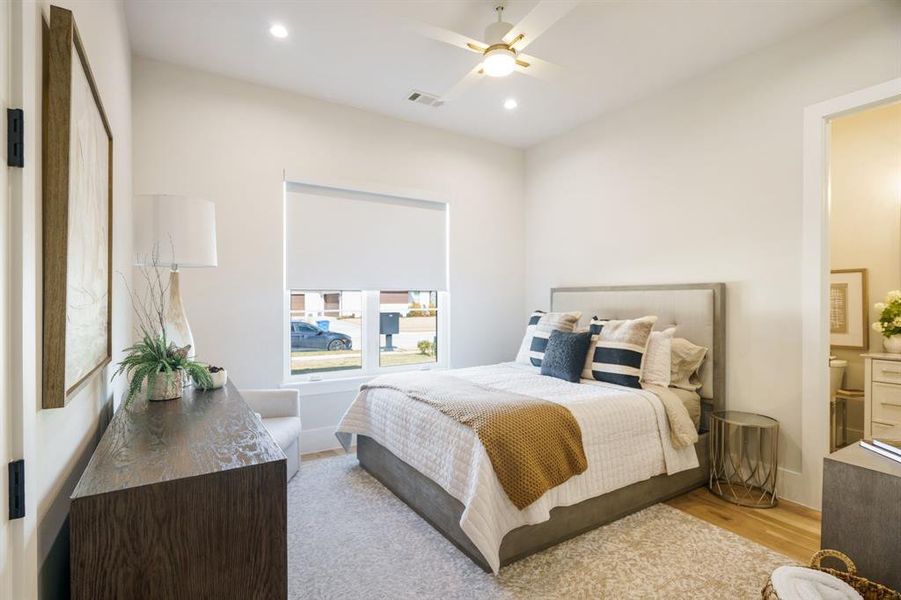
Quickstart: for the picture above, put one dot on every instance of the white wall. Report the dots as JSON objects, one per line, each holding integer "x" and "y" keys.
{"x": 57, "y": 443}
{"x": 703, "y": 183}
{"x": 230, "y": 142}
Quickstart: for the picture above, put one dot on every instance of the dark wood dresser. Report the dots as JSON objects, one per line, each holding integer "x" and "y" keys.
{"x": 182, "y": 499}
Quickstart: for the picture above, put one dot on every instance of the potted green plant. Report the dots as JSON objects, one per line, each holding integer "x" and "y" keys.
{"x": 162, "y": 367}
{"x": 889, "y": 323}
{"x": 156, "y": 364}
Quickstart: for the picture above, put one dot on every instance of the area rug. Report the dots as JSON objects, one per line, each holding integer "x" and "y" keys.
{"x": 349, "y": 537}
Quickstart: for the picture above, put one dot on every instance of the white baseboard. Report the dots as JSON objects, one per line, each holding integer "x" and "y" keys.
{"x": 790, "y": 486}
{"x": 317, "y": 440}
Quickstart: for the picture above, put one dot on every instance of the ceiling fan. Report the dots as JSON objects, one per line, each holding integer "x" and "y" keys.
{"x": 502, "y": 51}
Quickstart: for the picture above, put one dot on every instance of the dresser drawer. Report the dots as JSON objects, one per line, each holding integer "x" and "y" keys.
{"x": 887, "y": 371}
{"x": 886, "y": 403}
{"x": 881, "y": 429}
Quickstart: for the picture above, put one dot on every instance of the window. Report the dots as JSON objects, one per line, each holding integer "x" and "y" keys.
{"x": 394, "y": 250}
{"x": 408, "y": 328}
{"x": 363, "y": 331}
{"x": 326, "y": 331}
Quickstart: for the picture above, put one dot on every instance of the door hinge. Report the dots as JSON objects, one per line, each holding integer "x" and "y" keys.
{"x": 16, "y": 489}
{"x": 15, "y": 137}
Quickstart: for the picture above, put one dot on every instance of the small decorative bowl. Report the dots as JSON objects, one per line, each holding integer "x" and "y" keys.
{"x": 219, "y": 377}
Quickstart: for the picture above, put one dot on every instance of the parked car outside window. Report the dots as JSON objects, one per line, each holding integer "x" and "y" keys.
{"x": 306, "y": 336}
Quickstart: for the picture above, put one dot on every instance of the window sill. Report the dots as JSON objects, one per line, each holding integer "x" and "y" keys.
{"x": 331, "y": 384}
{"x": 327, "y": 386}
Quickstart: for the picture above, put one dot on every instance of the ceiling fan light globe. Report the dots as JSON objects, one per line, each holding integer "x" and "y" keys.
{"x": 499, "y": 62}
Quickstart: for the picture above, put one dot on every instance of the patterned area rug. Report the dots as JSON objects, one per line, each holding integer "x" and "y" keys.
{"x": 349, "y": 537}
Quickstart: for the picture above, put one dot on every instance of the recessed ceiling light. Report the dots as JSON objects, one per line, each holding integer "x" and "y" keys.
{"x": 279, "y": 31}
{"x": 510, "y": 103}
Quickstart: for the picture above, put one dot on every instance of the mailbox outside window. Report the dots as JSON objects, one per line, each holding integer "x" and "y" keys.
{"x": 389, "y": 325}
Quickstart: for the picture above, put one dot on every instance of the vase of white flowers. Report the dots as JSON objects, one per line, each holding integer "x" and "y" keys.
{"x": 889, "y": 323}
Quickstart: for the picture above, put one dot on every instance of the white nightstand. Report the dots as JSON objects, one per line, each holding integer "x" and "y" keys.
{"x": 882, "y": 393}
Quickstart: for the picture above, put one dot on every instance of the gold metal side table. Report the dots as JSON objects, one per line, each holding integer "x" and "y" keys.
{"x": 743, "y": 457}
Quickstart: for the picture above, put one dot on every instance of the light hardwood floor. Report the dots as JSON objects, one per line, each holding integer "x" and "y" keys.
{"x": 325, "y": 454}
{"x": 788, "y": 528}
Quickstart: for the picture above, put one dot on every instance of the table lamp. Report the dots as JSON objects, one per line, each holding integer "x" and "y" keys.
{"x": 176, "y": 232}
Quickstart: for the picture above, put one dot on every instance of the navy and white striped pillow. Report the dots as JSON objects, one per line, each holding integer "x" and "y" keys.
{"x": 617, "y": 350}
{"x": 538, "y": 331}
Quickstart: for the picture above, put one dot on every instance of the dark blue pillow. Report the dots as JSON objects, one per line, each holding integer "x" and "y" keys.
{"x": 564, "y": 357}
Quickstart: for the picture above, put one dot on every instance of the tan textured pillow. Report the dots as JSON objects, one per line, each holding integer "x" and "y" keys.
{"x": 687, "y": 361}
{"x": 541, "y": 324}
{"x": 617, "y": 350}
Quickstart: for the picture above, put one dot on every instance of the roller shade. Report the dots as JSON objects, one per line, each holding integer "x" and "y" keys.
{"x": 350, "y": 240}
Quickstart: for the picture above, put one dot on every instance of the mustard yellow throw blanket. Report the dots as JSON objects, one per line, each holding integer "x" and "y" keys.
{"x": 534, "y": 445}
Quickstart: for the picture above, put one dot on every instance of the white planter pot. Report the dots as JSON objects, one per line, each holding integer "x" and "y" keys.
{"x": 219, "y": 378}
{"x": 892, "y": 344}
{"x": 167, "y": 388}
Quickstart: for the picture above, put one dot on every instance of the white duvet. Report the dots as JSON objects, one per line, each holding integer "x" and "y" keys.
{"x": 625, "y": 433}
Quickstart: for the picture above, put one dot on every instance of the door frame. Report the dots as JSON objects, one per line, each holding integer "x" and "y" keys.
{"x": 7, "y": 450}
{"x": 23, "y": 297}
{"x": 815, "y": 277}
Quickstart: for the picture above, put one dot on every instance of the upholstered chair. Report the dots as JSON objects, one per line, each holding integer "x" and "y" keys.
{"x": 279, "y": 411}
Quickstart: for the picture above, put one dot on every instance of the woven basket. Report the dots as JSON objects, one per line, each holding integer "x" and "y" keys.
{"x": 866, "y": 588}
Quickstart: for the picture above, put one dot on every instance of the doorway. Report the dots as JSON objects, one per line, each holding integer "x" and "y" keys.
{"x": 865, "y": 271}
{"x": 816, "y": 276}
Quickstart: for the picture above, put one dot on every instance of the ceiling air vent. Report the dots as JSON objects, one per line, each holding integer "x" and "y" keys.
{"x": 424, "y": 98}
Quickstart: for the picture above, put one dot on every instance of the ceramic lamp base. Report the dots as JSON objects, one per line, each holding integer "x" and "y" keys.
{"x": 176, "y": 321}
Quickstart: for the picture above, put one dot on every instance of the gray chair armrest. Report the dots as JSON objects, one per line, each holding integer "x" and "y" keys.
{"x": 273, "y": 403}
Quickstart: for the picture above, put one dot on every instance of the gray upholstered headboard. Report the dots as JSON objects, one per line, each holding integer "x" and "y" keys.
{"x": 698, "y": 310}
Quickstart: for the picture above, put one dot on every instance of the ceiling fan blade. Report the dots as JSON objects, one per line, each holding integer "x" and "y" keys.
{"x": 464, "y": 84}
{"x": 542, "y": 69}
{"x": 447, "y": 36}
{"x": 539, "y": 20}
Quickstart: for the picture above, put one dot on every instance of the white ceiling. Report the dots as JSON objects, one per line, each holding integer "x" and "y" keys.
{"x": 365, "y": 53}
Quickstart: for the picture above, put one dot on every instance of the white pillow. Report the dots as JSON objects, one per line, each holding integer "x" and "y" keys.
{"x": 658, "y": 360}
{"x": 523, "y": 355}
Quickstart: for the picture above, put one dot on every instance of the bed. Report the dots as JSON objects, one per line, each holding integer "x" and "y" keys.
{"x": 438, "y": 468}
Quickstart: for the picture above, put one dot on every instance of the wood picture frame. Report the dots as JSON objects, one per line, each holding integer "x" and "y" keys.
{"x": 77, "y": 221}
{"x": 848, "y": 303}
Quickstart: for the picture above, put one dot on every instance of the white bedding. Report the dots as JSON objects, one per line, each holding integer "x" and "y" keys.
{"x": 625, "y": 434}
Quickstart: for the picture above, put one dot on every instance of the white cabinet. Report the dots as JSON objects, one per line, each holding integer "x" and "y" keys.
{"x": 882, "y": 390}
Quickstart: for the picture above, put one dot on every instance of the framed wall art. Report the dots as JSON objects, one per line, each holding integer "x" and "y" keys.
{"x": 77, "y": 216}
{"x": 848, "y": 327}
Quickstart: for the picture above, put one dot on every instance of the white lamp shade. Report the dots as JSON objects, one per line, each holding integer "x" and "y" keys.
{"x": 181, "y": 230}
